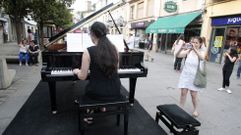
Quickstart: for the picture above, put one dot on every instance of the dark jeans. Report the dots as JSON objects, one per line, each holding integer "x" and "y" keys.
{"x": 33, "y": 58}
{"x": 239, "y": 69}
{"x": 178, "y": 63}
{"x": 226, "y": 77}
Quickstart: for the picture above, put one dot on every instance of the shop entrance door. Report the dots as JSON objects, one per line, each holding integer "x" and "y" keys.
{"x": 216, "y": 47}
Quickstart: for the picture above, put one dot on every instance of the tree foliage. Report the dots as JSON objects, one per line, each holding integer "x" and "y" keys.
{"x": 16, "y": 8}
{"x": 42, "y": 11}
{"x": 52, "y": 11}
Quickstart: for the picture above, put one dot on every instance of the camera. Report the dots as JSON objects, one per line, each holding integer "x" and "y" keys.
{"x": 189, "y": 45}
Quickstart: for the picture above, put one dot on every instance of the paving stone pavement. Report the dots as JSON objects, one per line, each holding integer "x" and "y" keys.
{"x": 219, "y": 111}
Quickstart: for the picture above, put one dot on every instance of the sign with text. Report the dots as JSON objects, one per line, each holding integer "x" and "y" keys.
{"x": 170, "y": 6}
{"x": 229, "y": 20}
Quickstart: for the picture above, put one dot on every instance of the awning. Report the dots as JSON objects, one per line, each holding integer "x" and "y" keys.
{"x": 172, "y": 24}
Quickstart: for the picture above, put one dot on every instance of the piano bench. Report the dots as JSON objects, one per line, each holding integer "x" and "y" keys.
{"x": 177, "y": 120}
{"x": 114, "y": 107}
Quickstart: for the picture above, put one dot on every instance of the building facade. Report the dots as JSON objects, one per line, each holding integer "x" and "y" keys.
{"x": 141, "y": 13}
{"x": 221, "y": 27}
{"x": 175, "y": 17}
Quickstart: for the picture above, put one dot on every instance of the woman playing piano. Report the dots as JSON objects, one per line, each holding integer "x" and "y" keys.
{"x": 102, "y": 62}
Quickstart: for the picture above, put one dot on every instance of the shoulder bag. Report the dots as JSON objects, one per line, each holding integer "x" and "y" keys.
{"x": 200, "y": 79}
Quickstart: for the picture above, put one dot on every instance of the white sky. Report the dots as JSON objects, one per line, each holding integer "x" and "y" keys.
{"x": 80, "y": 5}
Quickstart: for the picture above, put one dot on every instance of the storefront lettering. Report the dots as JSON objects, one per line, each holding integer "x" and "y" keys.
{"x": 234, "y": 20}
{"x": 140, "y": 24}
{"x": 162, "y": 30}
{"x": 229, "y": 20}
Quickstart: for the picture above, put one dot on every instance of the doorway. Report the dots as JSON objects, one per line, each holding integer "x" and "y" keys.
{"x": 216, "y": 46}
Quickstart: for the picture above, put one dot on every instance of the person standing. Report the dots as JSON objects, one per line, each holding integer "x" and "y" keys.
{"x": 176, "y": 48}
{"x": 230, "y": 58}
{"x": 36, "y": 37}
{"x": 148, "y": 54}
{"x": 30, "y": 36}
{"x": 189, "y": 71}
{"x": 239, "y": 67}
{"x": 131, "y": 41}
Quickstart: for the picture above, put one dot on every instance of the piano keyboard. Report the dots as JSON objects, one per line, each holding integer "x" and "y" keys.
{"x": 69, "y": 72}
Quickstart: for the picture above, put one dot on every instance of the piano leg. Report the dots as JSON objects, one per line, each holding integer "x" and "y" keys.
{"x": 52, "y": 92}
{"x": 132, "y": 89}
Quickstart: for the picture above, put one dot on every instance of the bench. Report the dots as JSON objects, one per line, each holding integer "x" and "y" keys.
{"x": 115, "y": 107}
{"x": 177, "y": 120}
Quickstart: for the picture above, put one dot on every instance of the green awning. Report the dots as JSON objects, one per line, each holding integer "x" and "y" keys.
{"x": 172, "y": 24}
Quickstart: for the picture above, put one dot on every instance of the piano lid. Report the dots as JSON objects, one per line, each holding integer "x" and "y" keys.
{"x": 84, "y": 21}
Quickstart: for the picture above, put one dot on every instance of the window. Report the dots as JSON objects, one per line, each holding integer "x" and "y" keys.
{"x": 132, "y": 12}
{"x": 150, "y": 8}
{"x": 140, "y": 10}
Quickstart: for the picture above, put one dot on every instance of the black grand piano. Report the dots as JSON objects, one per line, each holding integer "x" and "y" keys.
{"x": 58, "y": 63}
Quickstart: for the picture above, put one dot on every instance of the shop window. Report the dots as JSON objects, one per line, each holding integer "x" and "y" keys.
{"x": 217, "y": 45}
{"x": 232, "y": 37}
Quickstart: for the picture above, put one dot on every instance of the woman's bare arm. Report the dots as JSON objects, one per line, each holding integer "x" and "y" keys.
{"x": 83, "y": 72}
{"x": 232, "y": 59}
{"x": 199, "y": 53}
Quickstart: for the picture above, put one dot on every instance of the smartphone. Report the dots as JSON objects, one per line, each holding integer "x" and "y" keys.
{"x": 189, "y": 46}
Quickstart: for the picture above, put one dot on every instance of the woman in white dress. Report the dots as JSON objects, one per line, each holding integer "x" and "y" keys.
{"x": 189, "y": 71}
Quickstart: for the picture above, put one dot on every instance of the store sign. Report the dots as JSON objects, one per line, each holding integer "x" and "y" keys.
{"x": 142, "y": 24}
{"x": 170, "y": 6}
{"x": 232, "y": 20}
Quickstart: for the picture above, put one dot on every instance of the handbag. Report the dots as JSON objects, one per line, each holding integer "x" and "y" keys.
{"x": 200, "y": 79}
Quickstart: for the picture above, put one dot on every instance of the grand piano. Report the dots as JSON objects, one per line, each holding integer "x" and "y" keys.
{"x": 58, "y": 63}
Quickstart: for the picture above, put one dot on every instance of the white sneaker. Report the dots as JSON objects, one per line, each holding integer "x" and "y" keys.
{"x": 229, "y": 91}
{"x": 20, "y": 64}
{"x": 221, "y": 89}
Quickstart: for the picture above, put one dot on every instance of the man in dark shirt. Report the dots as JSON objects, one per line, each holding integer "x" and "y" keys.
{"x": 33, "y": 53}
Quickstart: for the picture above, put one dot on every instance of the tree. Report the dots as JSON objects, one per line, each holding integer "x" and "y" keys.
{"x": 41, "y": 10}
{"x": 17, "y": 9}
{"x": 62, "y": 17}
{"x": 51, "y": 11}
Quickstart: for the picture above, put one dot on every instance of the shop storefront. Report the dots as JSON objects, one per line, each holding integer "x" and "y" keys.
{"x": 170, "y": 27}
{"x": 139, "y": 32}
{"x": 139, "y": 28}
{"x": 226, "y": 32}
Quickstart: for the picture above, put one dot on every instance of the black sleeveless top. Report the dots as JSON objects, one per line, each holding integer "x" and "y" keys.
{"x": 100, "y": 86}
{"x": 228, "y": 65}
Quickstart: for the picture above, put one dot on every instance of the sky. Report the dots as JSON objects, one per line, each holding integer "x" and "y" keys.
{"x": 79, "y": 5}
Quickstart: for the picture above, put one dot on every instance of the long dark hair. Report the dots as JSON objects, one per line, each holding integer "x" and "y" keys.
{"x": 233, "y": 52}
{"x": 107, "y": 56}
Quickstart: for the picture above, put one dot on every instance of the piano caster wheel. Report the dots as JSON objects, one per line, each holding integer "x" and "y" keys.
{"x": 54, "y": 112}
